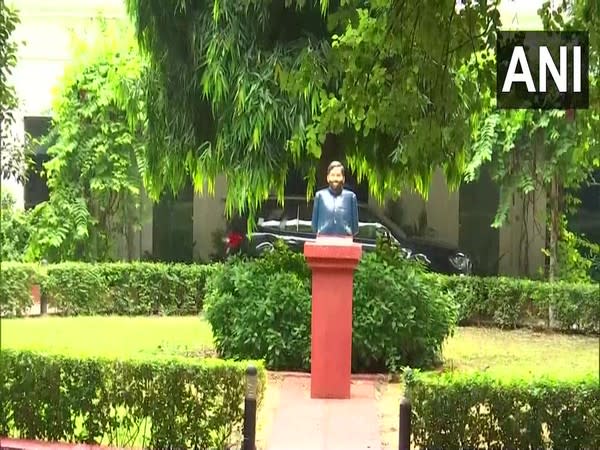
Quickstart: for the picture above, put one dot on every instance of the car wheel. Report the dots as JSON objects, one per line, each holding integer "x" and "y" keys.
{"x": 420, "y": 257}
{"x": 264, "y": 247}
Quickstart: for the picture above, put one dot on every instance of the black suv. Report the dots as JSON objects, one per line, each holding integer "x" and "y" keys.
{"x": 292, "y": 224}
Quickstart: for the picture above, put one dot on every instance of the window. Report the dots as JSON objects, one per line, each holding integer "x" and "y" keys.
{"x": 367, "y": 231}
{"x": 36, "y": 188}
{"x": 173, "y": 226}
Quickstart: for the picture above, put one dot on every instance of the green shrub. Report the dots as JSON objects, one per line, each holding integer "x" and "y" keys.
{"x": 16, "y": 280}
{"x": 15, "y": 228}
{"x": 157, "y": 288}
{"x": 126, "y": 288}
{"x": 162, "y": 403}
{"x": 510, "y": 302}
{"x": 261, "y": 309}
{"x": 399, "y": 316}
{"x": 477, "y": 411}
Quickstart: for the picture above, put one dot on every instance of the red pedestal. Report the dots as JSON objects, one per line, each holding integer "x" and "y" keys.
{"x": 332, "y": 261}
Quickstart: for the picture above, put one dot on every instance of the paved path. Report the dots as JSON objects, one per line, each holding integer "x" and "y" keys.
{"x": 302, "y": 423}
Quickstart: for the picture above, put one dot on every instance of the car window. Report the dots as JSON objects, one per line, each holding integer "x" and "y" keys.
{"x": 298, "y": 226}
{"x": 305, "y": 210}
{"x": 270, "y": 210}
{"x": 367, "y": 231}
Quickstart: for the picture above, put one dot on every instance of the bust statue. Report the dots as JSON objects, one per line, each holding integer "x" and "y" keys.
{"x": 335, "y": 209}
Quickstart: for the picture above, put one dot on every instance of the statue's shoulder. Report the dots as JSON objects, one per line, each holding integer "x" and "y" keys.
{"x": 348, "y": 193}
{"x": 320, "y": 193}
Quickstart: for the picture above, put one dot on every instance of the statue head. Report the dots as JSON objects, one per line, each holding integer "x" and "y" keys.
{"x": 335, "y": 176}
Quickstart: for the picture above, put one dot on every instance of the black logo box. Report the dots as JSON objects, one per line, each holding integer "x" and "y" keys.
{"x": 518, "y": 96}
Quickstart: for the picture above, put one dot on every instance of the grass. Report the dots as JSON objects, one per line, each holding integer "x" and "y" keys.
{"x": 110, "y": 336}
{"x": 470, "y": 349}
{"x": 515, "y": 352}
{"x": 521, "y": 352}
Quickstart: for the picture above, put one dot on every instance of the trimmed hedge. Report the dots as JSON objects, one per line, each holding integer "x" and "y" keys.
{"x": 476, "y": 411}
{"x": 16, "y": 281}
{"x": 115, "y": 288}
{"x": 511, "y": 303}
{"x": 156, "y": 288}
{"x": 160, "y": 403}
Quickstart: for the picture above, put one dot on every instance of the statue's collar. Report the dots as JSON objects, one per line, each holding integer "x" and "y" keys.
{"x": 335, "y": 193}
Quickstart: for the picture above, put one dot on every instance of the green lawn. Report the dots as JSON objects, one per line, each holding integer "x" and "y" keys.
{"x": 108, "y": 336}
{"x": 469, "y": 349}
{"x": 522, "y": 352}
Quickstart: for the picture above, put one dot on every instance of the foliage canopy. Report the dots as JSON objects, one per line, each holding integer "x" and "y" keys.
{"x": 14, "y": 157}
{"x": 257, "y": 87}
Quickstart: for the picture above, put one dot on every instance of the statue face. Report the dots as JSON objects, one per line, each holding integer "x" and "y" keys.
{"x": 335, "y": 179}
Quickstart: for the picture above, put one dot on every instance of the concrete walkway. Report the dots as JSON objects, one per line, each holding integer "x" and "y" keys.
{"x": 302, "y": 423}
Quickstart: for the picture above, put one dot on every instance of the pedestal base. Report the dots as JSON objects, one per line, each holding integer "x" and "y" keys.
{"x": 332, "y": 261}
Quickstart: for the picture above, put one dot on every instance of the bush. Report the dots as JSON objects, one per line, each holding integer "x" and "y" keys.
{"x": 15, "y": 287}
{"x": 476, "y": 411}
{"x": 162, "y": 403}
{"x": 15, "y": 228}
{"x": 511, "y": 303}
{"x": 399, "y": 316}
{"x": 157, "y": 288}
{"x": 261, "y": 309}
{"x": 126, "y": 288}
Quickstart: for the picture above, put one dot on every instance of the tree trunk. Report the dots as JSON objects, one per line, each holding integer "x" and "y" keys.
{"x": 554, "y": 237}
{"x": 129, "y": 229}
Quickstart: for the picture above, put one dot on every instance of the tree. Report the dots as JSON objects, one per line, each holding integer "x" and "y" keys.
{"x": 14, "y": 157}
{"x": 260, "y": 87}
{"x": 547, "y": 151}
{"x": 93, "y": 175}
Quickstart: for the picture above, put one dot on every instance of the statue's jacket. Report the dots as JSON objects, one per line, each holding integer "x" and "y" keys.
{"x": 335, "y": 213}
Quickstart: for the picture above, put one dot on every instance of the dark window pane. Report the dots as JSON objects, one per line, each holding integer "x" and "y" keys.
{"x": 173, "y": 226}
{"x": 36, "y": 189}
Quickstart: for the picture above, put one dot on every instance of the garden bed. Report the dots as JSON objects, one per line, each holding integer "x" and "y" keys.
{"x": 62, "y": 380}
{"x": 469, "y": 350}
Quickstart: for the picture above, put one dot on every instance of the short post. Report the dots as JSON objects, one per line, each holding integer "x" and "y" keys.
{"x": 43, "y": 297}
{"x": 404, "y": 425}
{"x": 249, "y": 429}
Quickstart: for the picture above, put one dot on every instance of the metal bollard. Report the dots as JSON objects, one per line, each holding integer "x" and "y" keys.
{"x": 249, "y": 430}
{"x": 404, "y": 429}
{"x": 43, "y": 297}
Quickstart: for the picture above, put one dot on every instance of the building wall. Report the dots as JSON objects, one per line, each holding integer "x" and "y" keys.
{"x": 209, "y": 218}
{"x": 436, "y": 217}
{"x": 524, "y": 237}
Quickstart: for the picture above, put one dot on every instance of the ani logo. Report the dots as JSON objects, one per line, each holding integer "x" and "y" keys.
{"x": 542, "y": 70}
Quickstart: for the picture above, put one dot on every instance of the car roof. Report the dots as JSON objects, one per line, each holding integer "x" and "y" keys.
{"x": 301, "y": 198}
